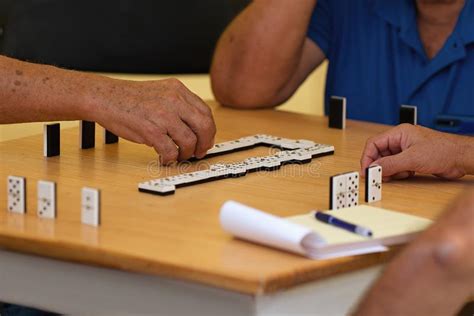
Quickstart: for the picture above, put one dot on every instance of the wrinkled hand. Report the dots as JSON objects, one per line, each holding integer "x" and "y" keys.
{"x": 407, "y": 149}
{"x": 162, "y": 114}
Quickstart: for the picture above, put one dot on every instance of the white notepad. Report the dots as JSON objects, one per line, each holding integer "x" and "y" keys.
{"x": 305, "y": 235}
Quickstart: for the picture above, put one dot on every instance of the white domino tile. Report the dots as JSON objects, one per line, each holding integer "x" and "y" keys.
{"x": 219, "y": 170}
{"x": 338, "y": 191}
{"x": 46, "y": 199}
{"x": 264, "y": 138}
{"x": 289, "y": 146}
{"x": 237, "y": 169}
{"x": 16, "y": 187}
{"x": 180, "y": 179}
{"x": 90, "y": 206}
{"x": 318, "y": 149}
{"x": 286, "y": 155}
{"x": 157, "y": 188}
{"x": 302, "y": 156}
{"x": 271, "y": 140}
{"x": 202, "y": 175}
{"x": 303, "y": 143}
{"x": 253, "y": 163}
{"x": 217, "y": 148}
{"x": 373, "y": 184}
{"x": 352, "y": 189}
{"x": 344, "y": 191}
{"x": 270, "y": 162}
{"x": 238, "y": 144}
{"x": 249, "y": 140}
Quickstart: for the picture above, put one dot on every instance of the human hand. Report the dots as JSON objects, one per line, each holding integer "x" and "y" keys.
{"x": 162, "y": 114}
{"x": 406, "y": 149}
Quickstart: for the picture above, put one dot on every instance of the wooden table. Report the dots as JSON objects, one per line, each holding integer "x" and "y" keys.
{"x": 168, "y": 254}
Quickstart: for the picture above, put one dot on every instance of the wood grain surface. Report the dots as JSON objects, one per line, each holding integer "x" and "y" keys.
{"x": 179, "y": 236}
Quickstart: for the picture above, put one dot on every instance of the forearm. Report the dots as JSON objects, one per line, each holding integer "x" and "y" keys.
{"x": 466, "y": 154}
{"x": 260, "y": 51}
{"x": 31, "y": 92}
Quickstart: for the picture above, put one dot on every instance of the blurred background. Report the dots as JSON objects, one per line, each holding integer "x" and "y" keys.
{"x": 129, "y": 39}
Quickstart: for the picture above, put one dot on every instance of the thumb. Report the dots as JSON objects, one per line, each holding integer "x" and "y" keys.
{"x": 395, "y": 164}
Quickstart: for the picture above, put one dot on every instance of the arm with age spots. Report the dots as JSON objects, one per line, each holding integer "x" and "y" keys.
{"x": 162, "y": 114}
{"x": 435, "y": 274}
{"x": 406, "y": 149}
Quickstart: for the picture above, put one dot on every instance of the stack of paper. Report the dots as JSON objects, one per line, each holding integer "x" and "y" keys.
{"x": 305, "y": 235}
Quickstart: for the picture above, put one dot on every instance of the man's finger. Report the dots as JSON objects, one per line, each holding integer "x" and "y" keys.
{"x": 369, "y": 155}
{"x": 396, "y": 164}
{"x": 184, "y": 137}
{"x": 381, "y": 145}
{"x": 205, "y": 129}
{"x": 403, "y": 175}
{"x": 166, "y": 148}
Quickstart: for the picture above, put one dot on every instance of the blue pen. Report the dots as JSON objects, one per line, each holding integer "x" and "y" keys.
{"x": 331, "y": 220}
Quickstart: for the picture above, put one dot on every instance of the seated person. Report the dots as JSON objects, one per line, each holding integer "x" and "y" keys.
{"x": 381, "y": 54}
{"x": 434, "y": 275}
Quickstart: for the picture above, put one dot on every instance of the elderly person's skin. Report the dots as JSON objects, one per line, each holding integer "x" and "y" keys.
{"x": 264, "y": 55}
{"x": 434, "y": 275}
{"x": 162, "y": 114}
{"x": 406, "y": 149}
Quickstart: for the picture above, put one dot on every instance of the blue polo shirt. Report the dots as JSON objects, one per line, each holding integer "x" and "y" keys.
{"x": 377, "y": 60}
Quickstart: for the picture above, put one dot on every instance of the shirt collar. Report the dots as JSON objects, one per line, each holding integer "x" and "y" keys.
{"x": 402, "y": 14}
{"x": 465, "y": 25}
